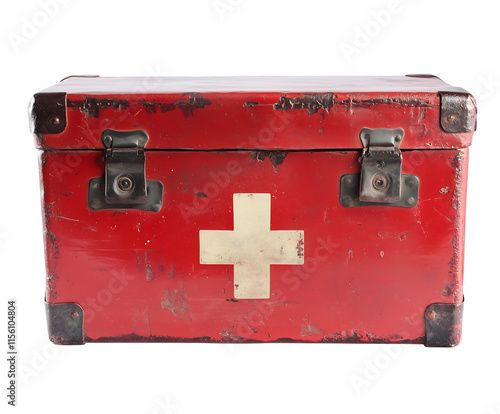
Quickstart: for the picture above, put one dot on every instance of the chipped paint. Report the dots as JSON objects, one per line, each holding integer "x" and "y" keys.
{"x": 92, "y": 106}
{"x": 357, "y": 338}
{"x": 456, "y": 258}
{"x": 228, "y": 336}
{"x": 448, "y": 290}
{"x": 148, "y": 268}
{"x": 402, "y": 237}
{"x": 52, "y": 241}
{"x": 457, "y": 165}
{"x": 144, "y": 265}
{"x": 355, "y": 102}
{"x": 350, "y": 255}
{"x": 300, "y": 247}
{"x": 187, "y": 106}
{"x": 312, "y": 102}
{"x": 276, "y": 157}
{"x": 193, "y": 101}
{"x": 171, "y": 274}
{"x": 133, "y": 337}
{"x": 308, "y": 329}
{"x": 175, "y": 300}
{"x": 149, "y": 324}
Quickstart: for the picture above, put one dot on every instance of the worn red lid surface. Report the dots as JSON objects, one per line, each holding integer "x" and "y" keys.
{"x": 217, "y": 113}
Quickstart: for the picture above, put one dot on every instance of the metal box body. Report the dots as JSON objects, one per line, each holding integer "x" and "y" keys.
{"x": 252, "y": 224}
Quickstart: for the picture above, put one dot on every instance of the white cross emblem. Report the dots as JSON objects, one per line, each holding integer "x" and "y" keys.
{"x": 252, "y": 247}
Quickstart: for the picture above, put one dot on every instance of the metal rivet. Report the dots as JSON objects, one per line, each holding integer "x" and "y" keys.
{"x": 55, "y": 121}
{"x": 398, "y": 138}
{"x": 431, "y": 315}
{"x": 411, "y": 200}
{"x": 125, "y": 183}
{"x": 107, "y": 140}
{"x": 75, "y": 315}
{"x": 380, "y": 182}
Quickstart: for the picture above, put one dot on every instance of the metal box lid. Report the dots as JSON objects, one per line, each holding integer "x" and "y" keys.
{"x": 268, "y": 113}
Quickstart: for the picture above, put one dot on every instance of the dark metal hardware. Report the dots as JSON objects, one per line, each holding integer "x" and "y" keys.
{"x": 458, "y": 112}
{"x": 380, "y": 182}
{"x": 65, "y": 323}
{"x": 48, "y": 113}
{"x": 125, "y": 177}
{"x": 124, "y": 184}
{"x": 443, "y": 324}
{"x": 349, "y": 192}
{"x": 381, "y": 165}
{"x": 97, "y": 201}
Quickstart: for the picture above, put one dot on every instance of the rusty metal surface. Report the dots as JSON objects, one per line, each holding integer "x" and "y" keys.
{"x": 125, "y": 167}
{"x": 349, "y": 192}
{"x": 65, "y": 323}
{"x": 458, "y": 112}
{"x": 443, "y": 324}
{"x": 97, "y": 200}
{"x": 48, "y": 113}
{"x": 381, "y": 165}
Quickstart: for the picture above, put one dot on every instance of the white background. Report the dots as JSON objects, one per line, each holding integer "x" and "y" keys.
{"x": 455, "y": 40}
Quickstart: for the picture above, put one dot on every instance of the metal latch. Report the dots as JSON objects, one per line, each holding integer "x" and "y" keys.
{"x": 381, "y": 165}
{"x": 125, "y": 176}
{"x": 380, "y": 181}
{"x": 124, "y": 184}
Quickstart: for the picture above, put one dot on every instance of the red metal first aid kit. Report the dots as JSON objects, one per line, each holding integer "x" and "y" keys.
{"x": 254, "y": 209}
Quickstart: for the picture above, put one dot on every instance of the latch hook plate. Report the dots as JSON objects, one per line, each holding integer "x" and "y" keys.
{"x": 381, "y": 165}
{"x": 380, "y": 182}
{"x": 124, "y": 184}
